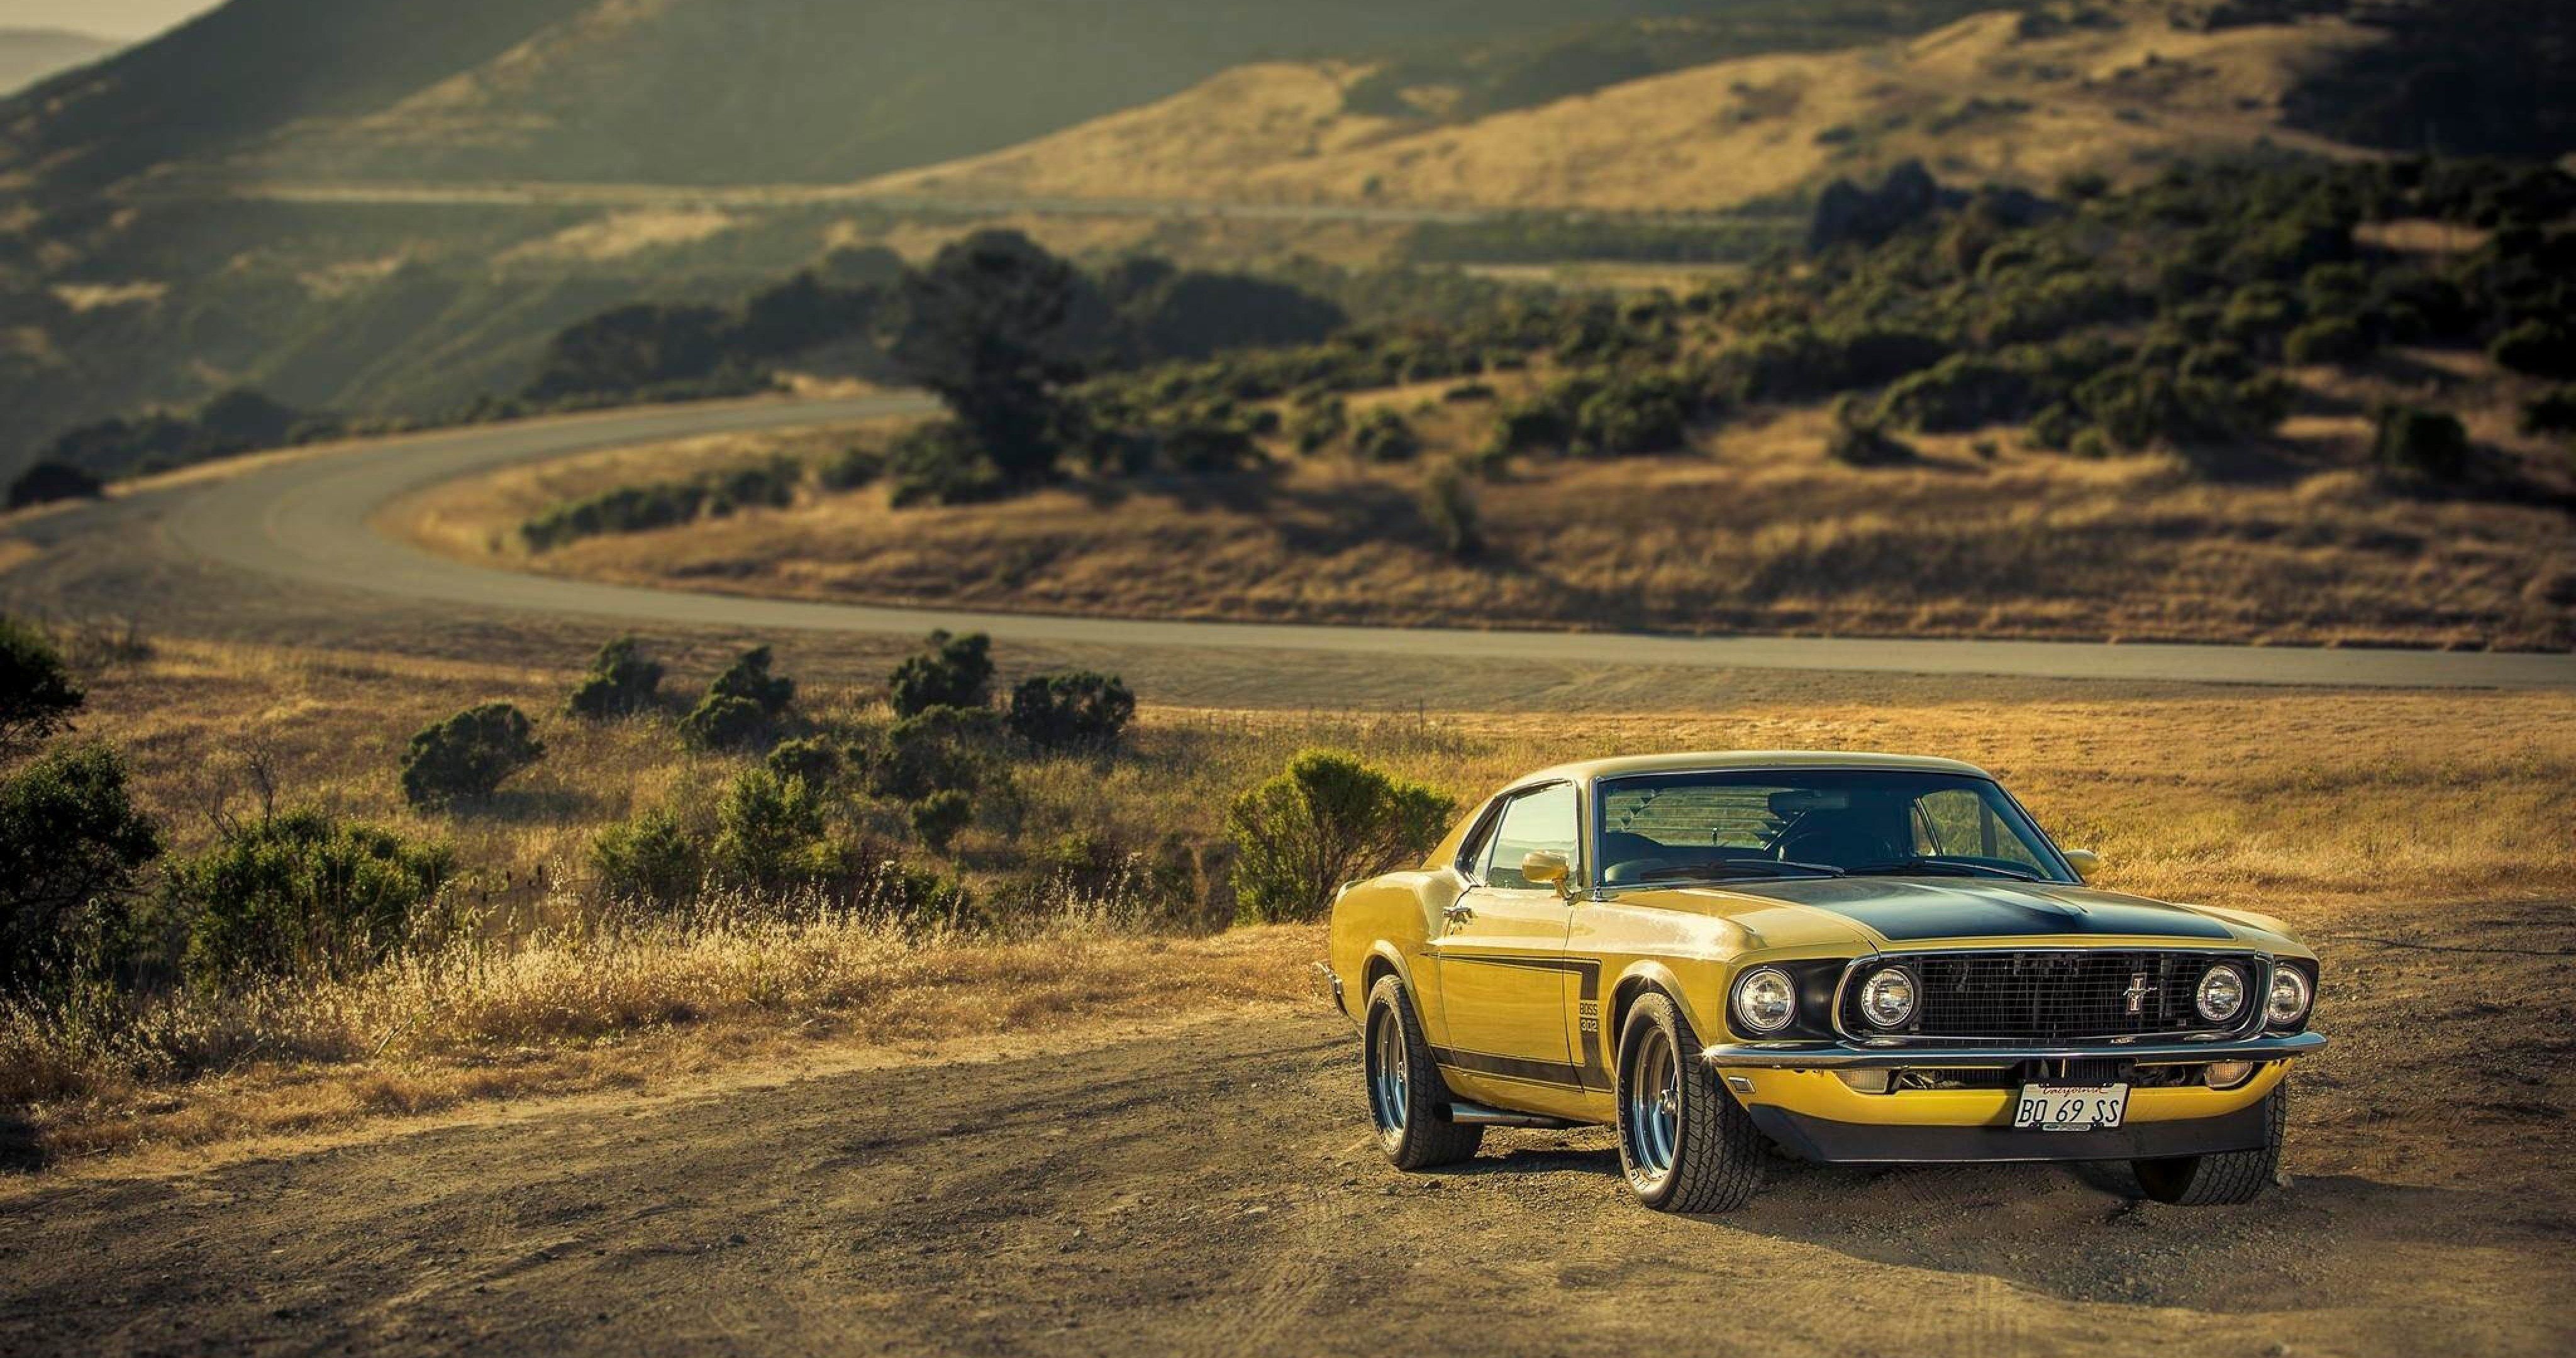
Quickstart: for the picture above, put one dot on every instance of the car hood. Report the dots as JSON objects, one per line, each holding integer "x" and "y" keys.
{"x": 1902, "y": 910}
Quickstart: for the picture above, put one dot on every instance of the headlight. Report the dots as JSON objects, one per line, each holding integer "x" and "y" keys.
{"x": 2222, "y": 994}
{"x": 1765, "y": 1000}
{"x": 2289, "y": 1002}
{"x": 1887, "y": 997}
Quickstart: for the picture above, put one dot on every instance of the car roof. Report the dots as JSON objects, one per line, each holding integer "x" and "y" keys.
{"x": 1737, "y": 760}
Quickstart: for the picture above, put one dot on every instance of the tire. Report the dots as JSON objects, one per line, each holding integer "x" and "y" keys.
{"x": 1408, "y": 1101}
{"x": 1685, "y": 1144}
{"x": 2227, "y": 1178}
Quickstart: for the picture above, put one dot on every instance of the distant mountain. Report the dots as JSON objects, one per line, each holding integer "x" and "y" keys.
{"x": 674, "y": 91}
{"x": 28, "y": 55}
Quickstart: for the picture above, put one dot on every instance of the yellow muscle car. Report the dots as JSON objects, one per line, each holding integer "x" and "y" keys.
{"x": 1857, "y": 958}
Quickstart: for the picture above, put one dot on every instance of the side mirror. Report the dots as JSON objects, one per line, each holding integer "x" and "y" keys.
{"x": 1546, "y": 867}
{"x": 2084, "y": 861}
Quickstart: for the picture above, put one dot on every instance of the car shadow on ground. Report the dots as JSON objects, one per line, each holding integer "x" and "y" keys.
{"x": 2078, "y": 1232}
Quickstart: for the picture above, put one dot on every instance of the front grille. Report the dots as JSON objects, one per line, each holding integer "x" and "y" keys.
{"x": 2060, "y": 996}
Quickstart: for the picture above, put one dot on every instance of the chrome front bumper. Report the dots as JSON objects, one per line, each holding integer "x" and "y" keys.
{"x": 1934, "y": 1055}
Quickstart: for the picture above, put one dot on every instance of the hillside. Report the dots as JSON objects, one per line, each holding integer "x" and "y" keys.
{"x": 28, "y": 55}
{"x": 667, "y": 91}
{"x": 1990, "y": 97}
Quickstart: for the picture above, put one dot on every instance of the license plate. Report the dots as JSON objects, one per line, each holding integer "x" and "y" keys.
{"x": 2070, "y": 1108}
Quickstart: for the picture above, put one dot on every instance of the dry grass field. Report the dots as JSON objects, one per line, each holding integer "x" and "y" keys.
{"x": 2329, "y": 808}
{"x": 1975, "y": 99}
{"x": 1755, "y": 529}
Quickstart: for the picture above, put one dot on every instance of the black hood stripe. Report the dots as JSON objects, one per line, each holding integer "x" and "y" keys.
{"x": 1908, "y": 912}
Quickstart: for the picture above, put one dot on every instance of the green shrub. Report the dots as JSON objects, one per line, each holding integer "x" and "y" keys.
{"x": 622, "y": 682}
{"x": 1315, "y": 422}
{"x": 2541, "y": 348}
{"x": 48, "y": 481}
{"x": 1382, "y": 435}
{"x": 1069, "y": 709}
{"x": 948, "y": 672}
{"x": 1859, "y": 441}
{"x": 649, "y": 860}
{"x": 2412, "y": 441}
{"x": 1632, "y": 413}
{"x": 935, "y": 750}
{"x": 37, "y": 694}
{"x": 1959, "y": 393}
{"x": 71, "y": 841}
{"x": 720, "y": 722}
{"x": 1448, "y": 505}
{"x": 1531, "y": 425}
{"x": 939, "y": 817}
{"x": 850, "y": 468}
{"x": 466, "y": 757}
{"x": 2335, "y": 339}
{"x": 1328, "y": 818}
{"x": 305, "y": 893}
{"x": 749, "y": 679}
{"x": 770, "y": 834}
{"x": 817, "y": 762}
{"x": 939, "y": 464}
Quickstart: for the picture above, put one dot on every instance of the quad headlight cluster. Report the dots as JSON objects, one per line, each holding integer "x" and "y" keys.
{"x": 2291, "y": 995}
{"x": 1766, "y": 1000}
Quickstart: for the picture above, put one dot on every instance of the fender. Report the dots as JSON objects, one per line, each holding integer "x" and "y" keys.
{"x": 1634, "y": 981}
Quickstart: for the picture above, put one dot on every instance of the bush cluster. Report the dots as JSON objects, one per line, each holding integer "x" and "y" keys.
{"x": 464, "y": 759}
{"x": 1328, "y": 818}
{"x": 666, "y": 504}
{"x": 306, "y": 893}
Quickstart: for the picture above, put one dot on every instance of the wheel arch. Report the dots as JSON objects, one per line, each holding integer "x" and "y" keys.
{"x": 1638, "y": 980}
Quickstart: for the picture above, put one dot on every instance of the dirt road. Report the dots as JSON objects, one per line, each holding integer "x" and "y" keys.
{"x": 1213, "y": 1190}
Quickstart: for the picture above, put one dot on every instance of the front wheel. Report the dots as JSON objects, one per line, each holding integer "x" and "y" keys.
{"x": 2224, "y": 1179}
{"x": 1685, "y": 1144}
{"x": 1407, "y": 1098}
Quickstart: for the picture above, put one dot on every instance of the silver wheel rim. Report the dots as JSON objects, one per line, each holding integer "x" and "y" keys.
{"x": 1654, "y": 1108}
{"x": 1387, "y": 1073}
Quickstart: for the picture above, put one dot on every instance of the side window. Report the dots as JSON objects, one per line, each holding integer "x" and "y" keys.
{"x": 1533, "y": 821}
{"x": 1957, "y": 823}
{"x": 1480, "y": 842}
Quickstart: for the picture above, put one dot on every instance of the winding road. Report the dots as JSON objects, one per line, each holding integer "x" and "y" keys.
{"x": 304, "y": 520}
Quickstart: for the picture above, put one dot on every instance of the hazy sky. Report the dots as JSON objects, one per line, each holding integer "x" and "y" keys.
{"x": 106, "y": 18}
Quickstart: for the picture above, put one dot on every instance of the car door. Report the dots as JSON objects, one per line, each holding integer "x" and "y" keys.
{"x": 1504, "y": 976}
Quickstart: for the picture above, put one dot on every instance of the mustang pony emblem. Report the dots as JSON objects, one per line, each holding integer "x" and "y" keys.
{"x": 2137, "y": 992}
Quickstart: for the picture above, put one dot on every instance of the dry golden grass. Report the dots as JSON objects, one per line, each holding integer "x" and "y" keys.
{"x": 1756, "y": 530}
{"x": 2319, "y": 806}
{"x": 1972, "y": 99}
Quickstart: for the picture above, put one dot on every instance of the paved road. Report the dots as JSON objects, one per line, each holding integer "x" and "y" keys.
{"x": 305, "y": 521}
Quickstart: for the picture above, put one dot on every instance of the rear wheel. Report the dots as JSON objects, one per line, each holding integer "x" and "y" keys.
{"x": 1407, "y": 1098}
{"x": 1685, "y": 1144}
{"x": 2228, "y": 1177}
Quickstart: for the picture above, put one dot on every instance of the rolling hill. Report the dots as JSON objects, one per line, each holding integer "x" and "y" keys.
{"x": 1990, "y": 97}
{"x": 28, "y": 55}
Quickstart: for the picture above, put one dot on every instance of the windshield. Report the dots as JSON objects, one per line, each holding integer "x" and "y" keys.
{"x": 1819, "y": 822}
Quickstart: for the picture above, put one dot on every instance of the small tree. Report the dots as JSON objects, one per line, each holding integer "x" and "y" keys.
{"x": 950, "y": 672}
{"x": 37, "y": 694}
{"x": 1071, "y": 708}
{"x": 465, "y": 758}
{"x": 651, "y": 860}
{"x": 1327, "y": 819}
{"x": 939, "y": 817}
{"x": 622, "y": 682}
{"x": 71, "y": 841}
{"x": 750, "y": 680}
{"x": 305, "y": 893}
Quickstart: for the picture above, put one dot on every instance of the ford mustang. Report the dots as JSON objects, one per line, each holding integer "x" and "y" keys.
{"x": 1854, "y": 958}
